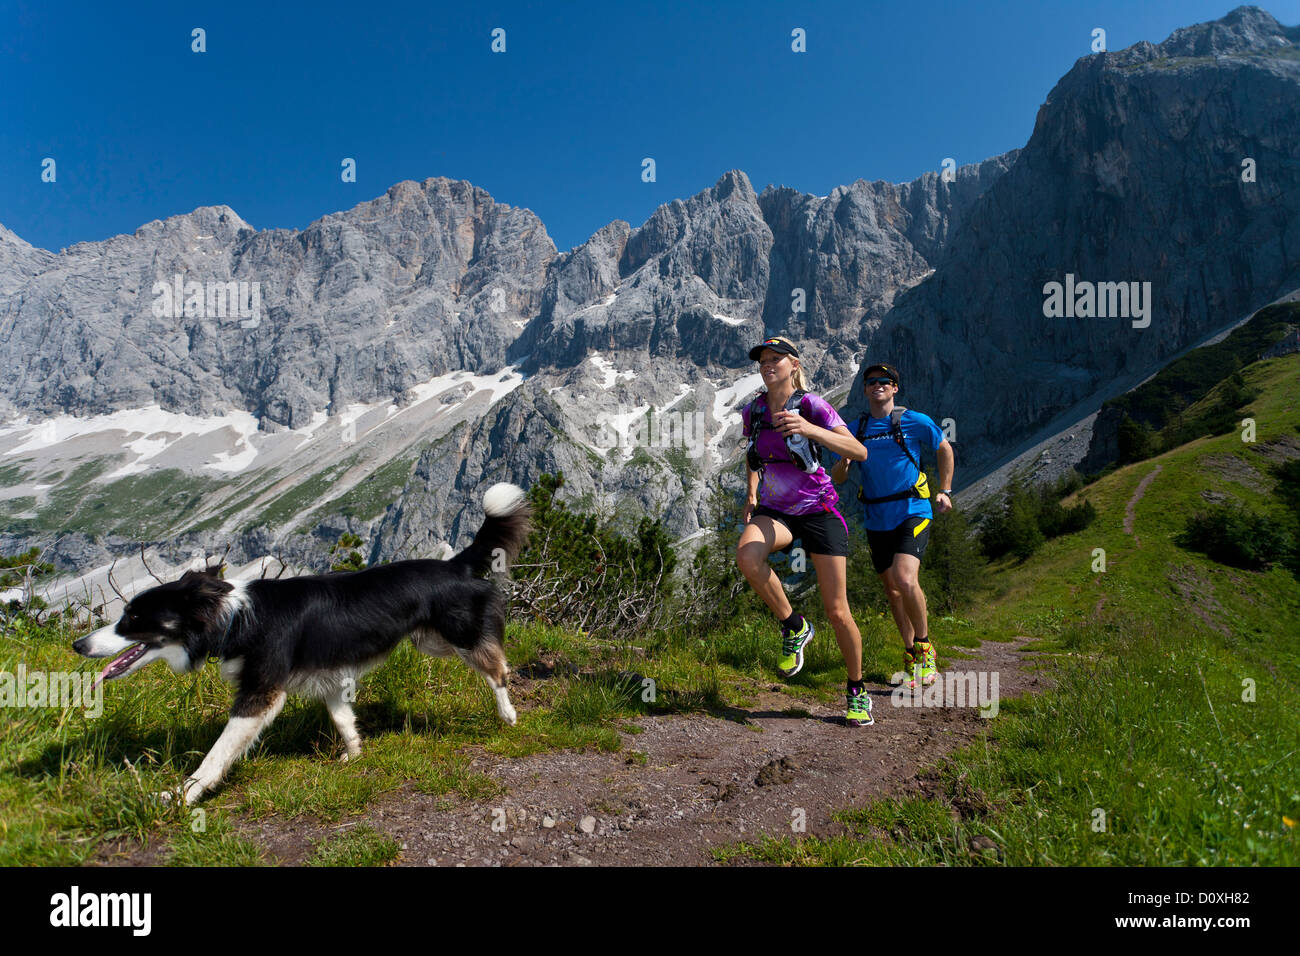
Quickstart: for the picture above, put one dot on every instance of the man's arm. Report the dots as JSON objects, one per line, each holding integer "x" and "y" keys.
{"x": 947, "y": 460}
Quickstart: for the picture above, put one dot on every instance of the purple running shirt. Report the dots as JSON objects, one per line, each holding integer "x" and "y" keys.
{"x": 783, "y": 486}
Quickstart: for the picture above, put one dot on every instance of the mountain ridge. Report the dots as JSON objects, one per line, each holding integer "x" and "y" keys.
{"x": 370, "y": 308}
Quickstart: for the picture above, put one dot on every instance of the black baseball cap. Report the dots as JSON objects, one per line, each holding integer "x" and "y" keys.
{"x": 887, "y": 369}
{"x": 777, "y": 344}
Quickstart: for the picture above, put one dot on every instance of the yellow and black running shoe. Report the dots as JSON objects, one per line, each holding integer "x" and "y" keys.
{"x": 792, "y": 645}
{"x": 859, "y": 710}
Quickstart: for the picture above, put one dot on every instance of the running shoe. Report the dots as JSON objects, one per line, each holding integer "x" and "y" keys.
{"x": 792, "y": 645}
{"x": 859, "y": 710}
{"x": 925, "y": 651}
{"x": 904, "y": 676}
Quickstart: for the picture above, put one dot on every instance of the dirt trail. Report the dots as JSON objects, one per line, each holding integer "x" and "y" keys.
{"x": 704, "y": 781}
{"x": 1130, "y": 510}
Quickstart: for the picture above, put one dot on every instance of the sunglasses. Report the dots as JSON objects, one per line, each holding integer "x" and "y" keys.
{"x": 878, "y": 380}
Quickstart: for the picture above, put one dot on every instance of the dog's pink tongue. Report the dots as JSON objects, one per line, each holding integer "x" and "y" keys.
{"x": 119, "y": 664}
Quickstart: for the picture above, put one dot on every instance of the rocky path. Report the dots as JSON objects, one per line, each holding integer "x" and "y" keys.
{"x": 681, "y": 787}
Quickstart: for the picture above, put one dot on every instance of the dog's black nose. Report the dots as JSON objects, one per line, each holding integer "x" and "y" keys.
{"x": 79, "y": 645}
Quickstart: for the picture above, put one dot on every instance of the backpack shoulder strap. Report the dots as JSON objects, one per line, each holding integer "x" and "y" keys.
{"x": 896, "y": 429}
{"x": 755, "y": 414}
{"x": 895, "y": 420}
{"x": 795, "y": 404}
{"x": 860, "y": 428}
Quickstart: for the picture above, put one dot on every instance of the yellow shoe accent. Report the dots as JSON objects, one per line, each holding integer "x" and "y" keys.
{"x": 925, "y": 652}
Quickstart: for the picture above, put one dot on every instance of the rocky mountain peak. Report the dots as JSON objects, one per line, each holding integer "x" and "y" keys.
{"x": 210, "y": 222}
{"x": 734, "y": 182}
{"x": 10, "y": 238}
{"x": 19, "y": 261}
{"x": 1246, "y": 29}
{"x": 1120, "y": 136}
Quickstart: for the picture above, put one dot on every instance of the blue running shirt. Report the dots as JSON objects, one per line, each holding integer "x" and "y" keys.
{"x": 887, "y": 469}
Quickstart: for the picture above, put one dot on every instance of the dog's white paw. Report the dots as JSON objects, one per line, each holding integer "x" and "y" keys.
{"x": 505, "y": 710}
{"x": 194, "y": 790}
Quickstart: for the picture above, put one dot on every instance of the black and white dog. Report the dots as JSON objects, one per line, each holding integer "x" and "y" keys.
{"x": 316, "y": 635}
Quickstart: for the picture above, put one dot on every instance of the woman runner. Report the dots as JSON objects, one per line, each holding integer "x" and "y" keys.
{"x": 791, "y": 496}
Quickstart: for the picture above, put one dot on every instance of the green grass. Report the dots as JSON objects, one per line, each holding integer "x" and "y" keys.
{"x": 68, "y": 788}
{"x": 361, "y": 845}
{"x": 237, "y": 497}
{"x": 210, "y": 840}
{"x": 1170, "y": 738}
{"x": 65, "y": 499}
{"x": 1178, "y": 772}
{"x": 158, "y": 503}
{"x": 73, "y": 779}
{"x": 12, "y": 475}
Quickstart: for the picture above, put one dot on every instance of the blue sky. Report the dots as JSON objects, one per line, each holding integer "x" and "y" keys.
{"x": 142, "y": 128}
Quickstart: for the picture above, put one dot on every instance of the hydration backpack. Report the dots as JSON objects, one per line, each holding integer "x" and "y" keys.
{"x": 919, "y": 488}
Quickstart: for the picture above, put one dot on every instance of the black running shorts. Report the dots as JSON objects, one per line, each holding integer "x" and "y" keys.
{"x": 822, "y": 532}
{"x": 910, "y": 537}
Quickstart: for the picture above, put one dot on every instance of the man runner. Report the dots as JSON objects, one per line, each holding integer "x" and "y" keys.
{"x": 897, "y": 506}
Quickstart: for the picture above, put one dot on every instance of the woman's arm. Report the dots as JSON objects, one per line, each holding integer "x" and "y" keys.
{"x": 751, "y": 497}
{"x": 840, "y": 441}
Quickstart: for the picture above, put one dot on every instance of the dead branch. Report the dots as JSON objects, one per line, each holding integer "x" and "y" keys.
{"x": 113, "y": 584}
{"x": 145, "y": 561}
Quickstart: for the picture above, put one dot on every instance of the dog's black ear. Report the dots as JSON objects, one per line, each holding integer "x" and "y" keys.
{"x": 206, "y": 581}
{"x": 216, "y": 572}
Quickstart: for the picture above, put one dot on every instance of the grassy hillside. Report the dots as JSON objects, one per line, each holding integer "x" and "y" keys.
{"x": 1194, "y": 395}
{"x": 1171, "y": 737}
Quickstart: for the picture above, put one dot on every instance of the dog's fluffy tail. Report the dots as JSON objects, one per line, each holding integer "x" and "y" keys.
{"x": 504, "y": 531}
